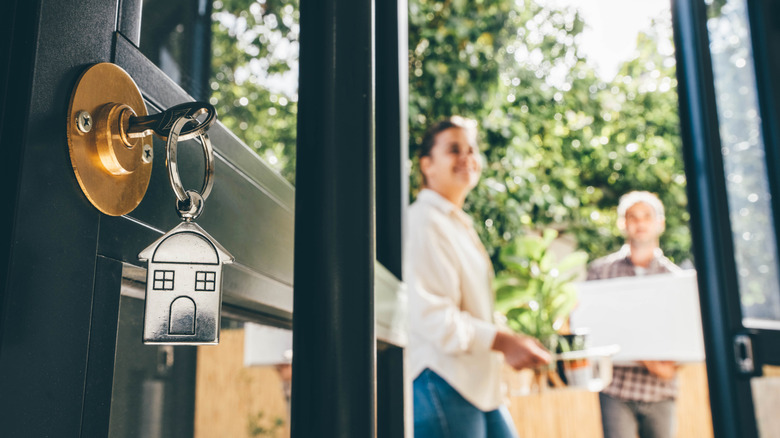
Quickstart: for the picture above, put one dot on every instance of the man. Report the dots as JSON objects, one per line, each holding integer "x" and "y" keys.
{"x": 641, "y": 398}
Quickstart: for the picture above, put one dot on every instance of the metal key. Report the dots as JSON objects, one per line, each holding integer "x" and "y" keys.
{"x": 161, "y": 123}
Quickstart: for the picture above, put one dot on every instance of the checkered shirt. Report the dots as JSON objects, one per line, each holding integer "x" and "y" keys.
{"x": 634, "y": 383}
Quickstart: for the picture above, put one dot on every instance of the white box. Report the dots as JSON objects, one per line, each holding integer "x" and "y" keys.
{"x": 265, "y": 345}
{"x": 651, "y": 317}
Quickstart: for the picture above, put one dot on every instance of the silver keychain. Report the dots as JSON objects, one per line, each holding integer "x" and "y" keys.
{"x": 184, "y": 274}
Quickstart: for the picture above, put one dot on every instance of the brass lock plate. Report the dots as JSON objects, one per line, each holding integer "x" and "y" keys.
{"x": 112, "y": 169}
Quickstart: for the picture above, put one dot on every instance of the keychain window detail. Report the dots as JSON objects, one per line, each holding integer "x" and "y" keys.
{"x": 163, "y": 280}
{"x": 204, "y": 281}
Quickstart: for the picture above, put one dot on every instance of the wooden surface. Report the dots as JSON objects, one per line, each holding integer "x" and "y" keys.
{"x": 766, "y": 400}
{"x": 229, "y": 396}
{"x": 693, "y": 402}
{"x": 576, "y": 414}
{"x": 557, "y": 413}
{"x": 771, "y": 371}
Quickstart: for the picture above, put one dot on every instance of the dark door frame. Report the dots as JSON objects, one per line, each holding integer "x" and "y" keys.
{"x": 64, "y": 260}
{"x": 731, "y": 401}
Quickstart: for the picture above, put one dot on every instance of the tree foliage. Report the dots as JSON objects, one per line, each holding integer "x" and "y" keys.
{"x": 255, "y": 47}
{"x": 560, "y": 144}
{"x": 534, "y": 291}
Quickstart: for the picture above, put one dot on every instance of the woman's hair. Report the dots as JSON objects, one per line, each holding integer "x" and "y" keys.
{"x": 468, "y": 125}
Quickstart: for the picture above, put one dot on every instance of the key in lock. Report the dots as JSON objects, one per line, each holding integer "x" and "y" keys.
{"x": 184, "y": 274}
{"x": 162, "y": 123}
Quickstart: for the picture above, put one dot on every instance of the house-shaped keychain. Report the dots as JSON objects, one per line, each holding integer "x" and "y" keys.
{"x": 184, "y": 287}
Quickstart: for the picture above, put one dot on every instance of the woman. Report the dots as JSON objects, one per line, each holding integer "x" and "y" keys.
{"x": 455, "y": 350}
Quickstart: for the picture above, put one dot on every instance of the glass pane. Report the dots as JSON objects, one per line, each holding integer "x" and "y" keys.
{"x": 175, "y": 35}
{"x": 239, "y": 388}
{"x": 750, "y": 211}
{"x": 242, "y": 57}
{"x": 255, "y": 76}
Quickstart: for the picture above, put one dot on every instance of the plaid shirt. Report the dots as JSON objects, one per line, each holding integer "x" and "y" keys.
{"x": 634, "y": 383}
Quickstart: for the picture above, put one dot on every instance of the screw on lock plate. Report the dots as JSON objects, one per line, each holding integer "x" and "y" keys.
{"x": 84, "y": 121}
{"x": 161, "y": 123}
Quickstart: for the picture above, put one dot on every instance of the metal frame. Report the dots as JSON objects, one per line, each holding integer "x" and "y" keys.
{"x": 66, "y": 261}
{"x": 392, "y": 189}
{"x": 333, "y": 324}
{"x": 63, "y": 261}
{"x": 392, "y": 131}
{"x": 17, "y": 23}
{"x": 764, "y": 16}
{"x": 731, "y": 399}
{"x": 48, "y": 294}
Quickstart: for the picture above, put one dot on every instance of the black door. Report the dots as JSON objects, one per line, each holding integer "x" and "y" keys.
{"x": 71, "y": 358}
{"x": 728, "y": 69}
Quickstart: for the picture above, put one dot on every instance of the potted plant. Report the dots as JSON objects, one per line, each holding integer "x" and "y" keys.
{"x": 535, "y": 291}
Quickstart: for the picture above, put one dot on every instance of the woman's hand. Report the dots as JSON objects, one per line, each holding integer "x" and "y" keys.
{"x": 521, "y": 351}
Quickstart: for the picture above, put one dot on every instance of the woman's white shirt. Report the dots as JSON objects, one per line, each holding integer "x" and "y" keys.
{"x": 451, "y": 328}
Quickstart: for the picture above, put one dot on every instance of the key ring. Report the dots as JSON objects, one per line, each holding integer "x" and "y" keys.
{"x": 189, "y": 203}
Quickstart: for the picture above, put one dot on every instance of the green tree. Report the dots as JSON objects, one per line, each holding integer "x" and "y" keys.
{"x": 255, "y": 60}
{"x": 561, "y": 145}
{"x": 455, "y": 52}
{"x": 639, "y": 148}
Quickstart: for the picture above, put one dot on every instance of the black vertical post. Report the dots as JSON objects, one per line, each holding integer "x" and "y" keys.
{"x": 18, "y": 21}
{"x": 50, "y": 274}
{"x": 764, "y": 18}
{"x": 730, "y": 399}
{"x": 200, "y": 66}
{"x": 392, "y": 133}
{"x": 392, "y": 191}
{"x": 130, "y": 20}
{"x": 390, "y": 391}
{"x": 102, "y": 348}
{"x": 333, "y": 306}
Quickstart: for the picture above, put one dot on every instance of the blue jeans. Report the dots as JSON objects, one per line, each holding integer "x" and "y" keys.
{"x": 441, "y": 412}
{"x": 626, "y": 418}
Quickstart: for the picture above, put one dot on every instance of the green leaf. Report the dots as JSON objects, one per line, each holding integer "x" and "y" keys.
{"x": 575, "y": 260}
